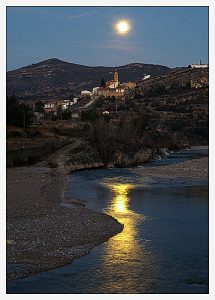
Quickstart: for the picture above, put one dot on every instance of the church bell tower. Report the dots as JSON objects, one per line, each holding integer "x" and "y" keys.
{"x": 116, "y": 76}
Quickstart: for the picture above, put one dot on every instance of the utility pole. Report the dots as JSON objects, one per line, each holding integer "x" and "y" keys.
{"x": 24, "y": 121}
{"x": 116, "y": 106}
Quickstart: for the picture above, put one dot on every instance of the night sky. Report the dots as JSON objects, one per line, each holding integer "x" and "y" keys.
{"x": 171, "y": 36}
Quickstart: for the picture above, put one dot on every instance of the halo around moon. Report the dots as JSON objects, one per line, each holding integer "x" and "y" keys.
{"x": 122, "y": 27}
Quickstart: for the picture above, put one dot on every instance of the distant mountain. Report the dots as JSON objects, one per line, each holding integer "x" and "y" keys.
{"x": 56, "y": 79}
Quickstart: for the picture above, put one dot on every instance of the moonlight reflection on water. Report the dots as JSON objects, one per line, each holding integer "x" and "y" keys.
{"x": 124, "y": 248}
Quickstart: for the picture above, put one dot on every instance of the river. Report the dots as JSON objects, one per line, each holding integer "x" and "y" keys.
{"x": 162, "y": 249}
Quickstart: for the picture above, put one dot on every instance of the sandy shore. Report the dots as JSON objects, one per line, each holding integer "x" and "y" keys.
{"x": 41, "y": 233}
{"x": 191, "y": 169}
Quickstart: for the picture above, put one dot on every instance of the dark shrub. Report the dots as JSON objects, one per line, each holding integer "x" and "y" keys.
{"x": 18, "y": 114}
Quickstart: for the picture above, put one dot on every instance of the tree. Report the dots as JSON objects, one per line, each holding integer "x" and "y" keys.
{"x": 102, "y": 83}
{"x": 17, "y": 114}
{"x": 59, "y": 112}
{"x": 141, "y": 123}
{"x": 108, "y": 139}
{"x": 112, "y": 99}
{"x": 102, "y": 137}
{"x": 177, "y": 125}
{"x": 188, "y": 85}
{"x": 66, "y": 115}
{"x": 155, "y": 91}
{"x": 89, "y": 116}
{"x": 39, "y": 106}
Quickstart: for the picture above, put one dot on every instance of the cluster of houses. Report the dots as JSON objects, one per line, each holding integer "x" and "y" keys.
{"x": 198, "y": 66}
{"x": 112, "y": 88}
{"x": 51, "y": 106}
{"x": 59, "y": 104}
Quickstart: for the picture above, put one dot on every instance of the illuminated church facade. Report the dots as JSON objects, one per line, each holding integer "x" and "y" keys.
{"x": 112, "y": 88}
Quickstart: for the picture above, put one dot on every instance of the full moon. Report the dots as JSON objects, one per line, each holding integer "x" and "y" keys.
{"x": 122, "y": 27}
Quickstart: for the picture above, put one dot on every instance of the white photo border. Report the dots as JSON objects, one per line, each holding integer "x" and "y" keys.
{"x": 176, "y": 3}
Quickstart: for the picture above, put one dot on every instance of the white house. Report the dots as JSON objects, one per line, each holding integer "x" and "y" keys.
{"x": 146, "y": 77}
{"x": 106, "y": 113}
{"x": 86, "y": 93}
{"x": 95, "y": 90}
{"x": 66, "y": 104}
{"x": 75, "y": 100}
{"x": 75, "y": 116}
{"x": 49, "y": 105}
{"x": 196, "y": 66}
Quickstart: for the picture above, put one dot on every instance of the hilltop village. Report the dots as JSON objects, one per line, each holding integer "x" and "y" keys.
{"x": 118, "y": 119}
{"x": 113, "y": 89}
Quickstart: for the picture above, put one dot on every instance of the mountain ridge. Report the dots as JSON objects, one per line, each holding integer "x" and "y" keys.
{"x": 57, "y": 60}
{"x": 57, "y": 79}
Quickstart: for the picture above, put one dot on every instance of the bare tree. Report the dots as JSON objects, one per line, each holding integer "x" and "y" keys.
{"x": 108, "y": 138}
{"x": 103, "y": 138}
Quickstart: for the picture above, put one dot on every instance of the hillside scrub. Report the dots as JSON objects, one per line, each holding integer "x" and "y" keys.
{"x": 109, "y": 138}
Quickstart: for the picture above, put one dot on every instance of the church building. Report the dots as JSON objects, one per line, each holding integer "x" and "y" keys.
{"x": 112, "y": 88}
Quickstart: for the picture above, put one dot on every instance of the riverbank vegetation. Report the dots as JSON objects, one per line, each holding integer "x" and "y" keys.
{"x": 129, "y": 137}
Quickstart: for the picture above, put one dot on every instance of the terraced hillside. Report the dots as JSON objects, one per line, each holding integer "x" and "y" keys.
{"x": 176, "y": 102}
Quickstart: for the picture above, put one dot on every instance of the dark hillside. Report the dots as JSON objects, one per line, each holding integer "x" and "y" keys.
{"x": 176, "y": 103}
{"x": 56, "y": 79}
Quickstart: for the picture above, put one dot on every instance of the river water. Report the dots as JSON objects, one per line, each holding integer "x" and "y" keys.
{"x": 162, "y": 249}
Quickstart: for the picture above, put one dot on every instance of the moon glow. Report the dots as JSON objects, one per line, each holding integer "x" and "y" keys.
{"x": 122, "y": 27}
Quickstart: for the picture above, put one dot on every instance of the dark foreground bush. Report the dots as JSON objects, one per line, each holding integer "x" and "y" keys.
{"x": 18, "y": 114}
